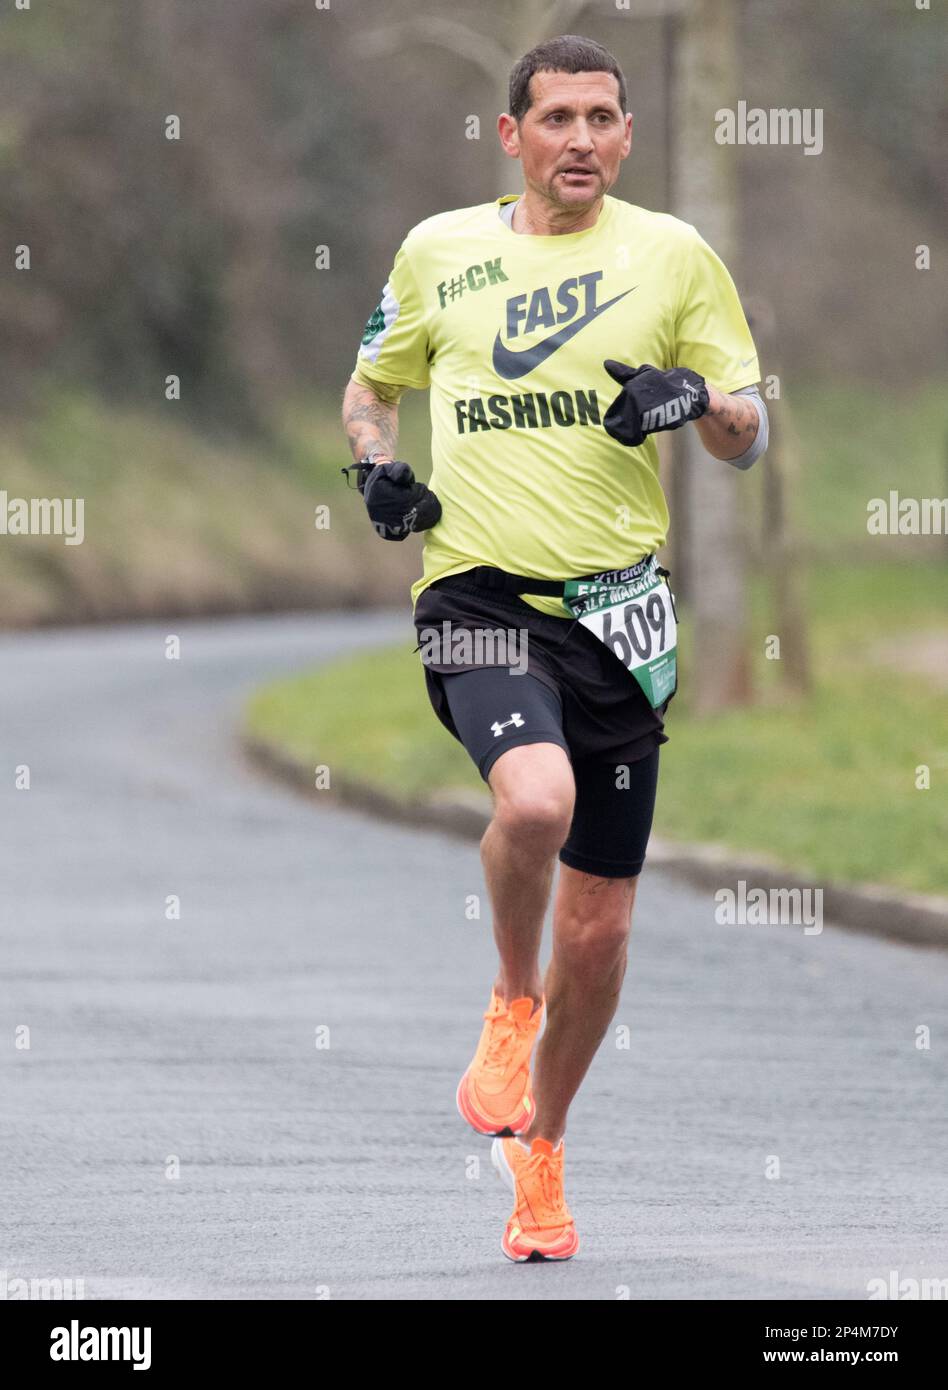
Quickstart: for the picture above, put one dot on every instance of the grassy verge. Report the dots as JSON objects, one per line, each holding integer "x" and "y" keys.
{"x": 854, "y": 446}
{"x": 178, "y": 522}
{"x": 825, "y": 784}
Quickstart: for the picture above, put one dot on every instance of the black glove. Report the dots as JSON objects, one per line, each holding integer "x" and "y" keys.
{"x": 652, "y": 400}
{"x": 396, "y": 504}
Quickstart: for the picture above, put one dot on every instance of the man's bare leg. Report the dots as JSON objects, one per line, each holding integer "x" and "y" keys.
{"x": 534, "y": 795}
{"x": 591, "y": 924}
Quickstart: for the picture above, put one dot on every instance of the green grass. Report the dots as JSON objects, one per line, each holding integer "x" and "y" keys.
{"x": 825, "y": 784}
{"x": 181, "y": 522}
{"x": 367, "y": 717}
{"x": 828, "y": 784}
{"x": 854, "y": 444}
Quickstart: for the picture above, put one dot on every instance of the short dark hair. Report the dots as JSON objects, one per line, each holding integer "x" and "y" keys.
{"x": 567, "y": 53}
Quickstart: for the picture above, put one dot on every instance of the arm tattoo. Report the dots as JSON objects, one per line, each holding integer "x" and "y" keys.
{"x": 371, "y": 424}
{"x": 739, "y": 417}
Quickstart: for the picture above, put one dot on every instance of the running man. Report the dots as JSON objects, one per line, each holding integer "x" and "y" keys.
{"x": 557, "y": 332}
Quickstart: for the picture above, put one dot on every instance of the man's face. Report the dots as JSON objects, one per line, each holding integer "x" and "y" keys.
{"x": 573, "y": 138}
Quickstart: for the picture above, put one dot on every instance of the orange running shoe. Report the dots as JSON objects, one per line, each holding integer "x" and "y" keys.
{"x": 541, "y": 1227}
{"x": 494, "y": 1094}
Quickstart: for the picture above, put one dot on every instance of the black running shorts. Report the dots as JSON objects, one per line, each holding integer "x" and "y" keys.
{"x": 572, "y": 692}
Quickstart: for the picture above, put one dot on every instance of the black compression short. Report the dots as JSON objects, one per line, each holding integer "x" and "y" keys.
{"x": 604, "y": 709}
{"x": 574, "y": 693}
{"x": 612, "y": 818}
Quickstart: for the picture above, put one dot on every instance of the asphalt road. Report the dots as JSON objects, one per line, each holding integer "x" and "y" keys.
{"x": 344, "y": 1171}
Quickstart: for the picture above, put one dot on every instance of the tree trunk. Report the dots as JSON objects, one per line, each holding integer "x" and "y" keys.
{"x": 782, "y": 554}
{"x": 529, "y": 23}
{"x": 706, "y": 79}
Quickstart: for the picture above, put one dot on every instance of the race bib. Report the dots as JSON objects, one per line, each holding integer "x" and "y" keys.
{"x": 636, "y": 621}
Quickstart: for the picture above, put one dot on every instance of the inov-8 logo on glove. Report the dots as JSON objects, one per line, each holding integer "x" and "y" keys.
{"x": 653, "y": 400}
{"x": 671, "y": 413}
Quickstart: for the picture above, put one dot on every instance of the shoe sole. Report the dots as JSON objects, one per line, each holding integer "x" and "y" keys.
{"x": 499, "y": 1159}
{"x": 506, "y": 1133}
{"x": 534, "y": 1257}
{"x": 503, "y": 1169}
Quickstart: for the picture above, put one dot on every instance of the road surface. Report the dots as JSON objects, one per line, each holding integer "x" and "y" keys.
{"x": 173, "y": 1129}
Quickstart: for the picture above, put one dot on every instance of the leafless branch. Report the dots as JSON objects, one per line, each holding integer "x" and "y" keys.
{"x": 484, "y": 52}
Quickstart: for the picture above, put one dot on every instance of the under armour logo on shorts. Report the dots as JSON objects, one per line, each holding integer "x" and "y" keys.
{"x": 499, "y": 728}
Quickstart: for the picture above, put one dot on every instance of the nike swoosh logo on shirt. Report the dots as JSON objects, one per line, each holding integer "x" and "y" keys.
{"x": 510, "y": 364}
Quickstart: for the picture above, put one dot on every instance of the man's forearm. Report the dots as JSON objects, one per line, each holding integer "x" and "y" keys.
{"x": 371, "y": 423}
{"x": 730, "y": 426}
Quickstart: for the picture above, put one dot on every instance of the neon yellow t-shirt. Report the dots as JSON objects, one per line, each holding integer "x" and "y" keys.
{"x": 509, "y": 331}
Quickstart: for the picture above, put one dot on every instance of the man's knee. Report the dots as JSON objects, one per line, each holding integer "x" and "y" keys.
{"x": 593, "y": 923}
{"x": 534, "y": 795}
{"x": 593, "y": 949}
{"x": 536, "y": 818}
